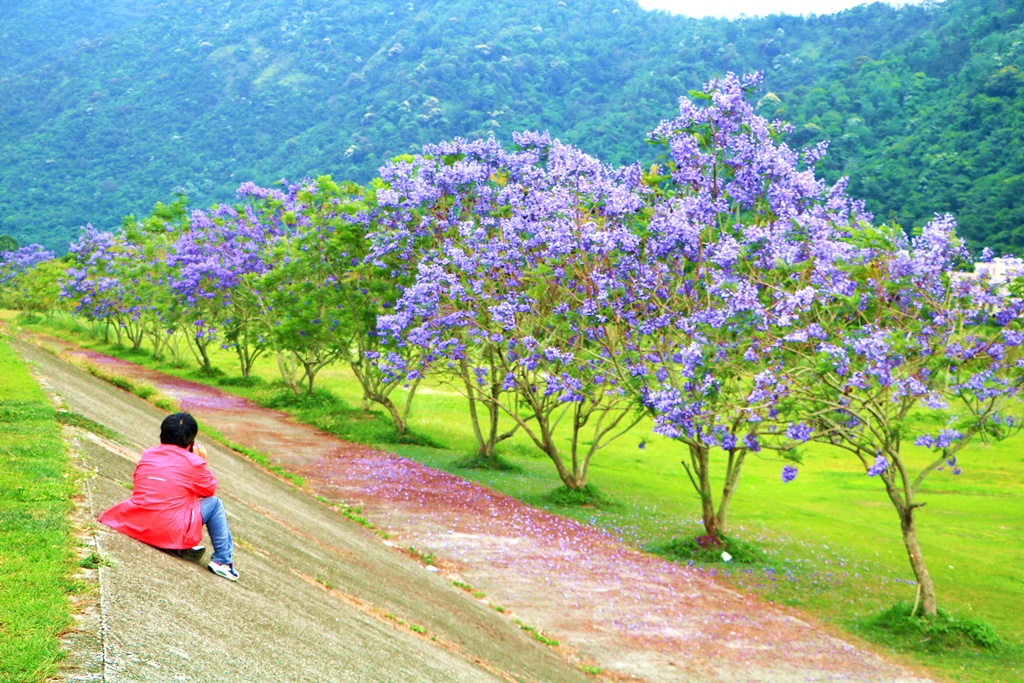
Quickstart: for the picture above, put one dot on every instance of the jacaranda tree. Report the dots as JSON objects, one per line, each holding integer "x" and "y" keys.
{"x": 29, "y": 278}
{"x": 498, "y": 240}
{"x": 916, "y": 362}
{"x": 739, "y": 240}
{"x": 146, "y": 272}
{"x": 96, "y": 285}
{"x": 216, "y": 269}
{"x": 326, "y": 298}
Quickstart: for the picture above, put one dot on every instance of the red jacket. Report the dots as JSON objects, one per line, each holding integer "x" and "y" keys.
{"x": 164, "y": 508}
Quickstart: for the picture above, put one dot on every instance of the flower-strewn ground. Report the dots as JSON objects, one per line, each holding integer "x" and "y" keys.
{"x": 633, "y": 614}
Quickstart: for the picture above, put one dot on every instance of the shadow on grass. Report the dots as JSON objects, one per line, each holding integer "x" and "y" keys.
{"x": 495, "y": 463}
{"x": 250, "y": 381}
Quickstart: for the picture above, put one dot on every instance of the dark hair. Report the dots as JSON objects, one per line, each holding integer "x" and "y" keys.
{"x": 179, "y": 429}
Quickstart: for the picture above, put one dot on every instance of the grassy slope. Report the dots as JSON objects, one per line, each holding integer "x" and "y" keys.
{"x": 36, "y": 557}
{"x": 833, "y": 536}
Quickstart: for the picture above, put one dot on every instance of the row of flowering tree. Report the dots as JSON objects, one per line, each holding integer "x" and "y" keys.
{"x": 726, "y": 293}
{"x": 280, "y": 272}
{"x": 729, "y": 294}
{"x": 550, "y": 287}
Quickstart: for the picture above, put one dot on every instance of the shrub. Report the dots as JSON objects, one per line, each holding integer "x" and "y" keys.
{"x": 587, "y": 496}
{"x": 707, "y": 549}
{"x": 896, "y": 627}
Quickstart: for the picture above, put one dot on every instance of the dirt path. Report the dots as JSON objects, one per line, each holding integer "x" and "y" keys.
{"x": 638, "y": 617}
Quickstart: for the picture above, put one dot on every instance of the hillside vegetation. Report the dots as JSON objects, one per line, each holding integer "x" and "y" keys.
{"x": 108, "y": 107}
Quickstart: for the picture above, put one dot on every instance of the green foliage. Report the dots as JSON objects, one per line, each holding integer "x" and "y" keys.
{"x": 165, "y": 404}
{"x": 706, "y": 550}
{"x": 426, "y": 558}
{"x": 327, "y": 412}
{"x": 37, "y": 290}
{"x": 897, "y": 628}
{"x": 72, "y": 419}
{"x": 251, "y": 381}
{"x": 95, "y": 561}
{"x": 143, "y": 391}
{"x": 535, "y": 634}
{"x": 36, "y": 542}
{"x": 587, "y": 496}
{"x": 922, "y": 103}
{"x": 323, "y": 299}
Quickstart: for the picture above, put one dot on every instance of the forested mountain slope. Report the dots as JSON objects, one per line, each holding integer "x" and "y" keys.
{"x": 106, "y": 107}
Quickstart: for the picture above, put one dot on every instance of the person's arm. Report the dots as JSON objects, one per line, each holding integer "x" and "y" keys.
{"x": 204, "y": 484}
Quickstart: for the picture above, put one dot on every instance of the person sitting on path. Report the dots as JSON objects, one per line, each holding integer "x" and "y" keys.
{"x": 173, "y": 498}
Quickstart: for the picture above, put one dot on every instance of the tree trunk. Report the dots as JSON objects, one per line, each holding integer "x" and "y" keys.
{"x": 243, "y": 361}
{"x": 547, "y": 444}
{"x": 407, "y": 408}
{"x": 311, "y": 370}
{"x": 569, "y": 478}
{"x": 136, "y": 333}
{"x": 173, "y": 347}
{"x": 488, "y": 448}
{"x": 732, "y": 479}
{"x": 206, "y": 357}
{"x": 483, "y": 449}
{"x": 929, "y": 605}
{"x": 158, "y": 337}
{"x": 485, "y": 446}
{"x": 700, "y": 459}
{"x": 571, "y": 482}
{"x": 393, "y": 411}
{"x": 903, "y": 501}
{"x": 247, "y": 352}
{"x": 287, "y": 370}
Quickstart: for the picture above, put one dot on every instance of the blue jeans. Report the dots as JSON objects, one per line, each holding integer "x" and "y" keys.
{"x": 216, "y": 521}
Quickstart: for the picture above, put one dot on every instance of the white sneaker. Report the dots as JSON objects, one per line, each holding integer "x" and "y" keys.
{"x": 226, "y": 571}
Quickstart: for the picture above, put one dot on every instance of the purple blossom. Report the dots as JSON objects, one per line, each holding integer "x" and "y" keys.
{"x": 798, "y": 432}
{"x": 945, "y": 439}
{"x": 880, "y": 465}
{"x": 788, "y": 473}
{"x": 24, "y": 258}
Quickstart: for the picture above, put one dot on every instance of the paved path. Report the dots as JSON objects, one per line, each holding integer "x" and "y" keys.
{"x": 636, "y": 616}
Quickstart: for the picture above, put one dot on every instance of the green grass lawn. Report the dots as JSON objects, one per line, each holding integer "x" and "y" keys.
{"x": 832, "y": 537}
{"x": 36, "y": 543}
